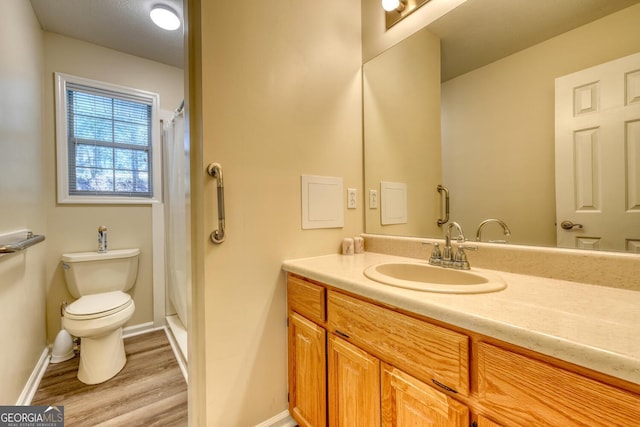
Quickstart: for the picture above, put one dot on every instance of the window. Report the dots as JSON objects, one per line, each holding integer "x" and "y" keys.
{"x": 105, "y": 143}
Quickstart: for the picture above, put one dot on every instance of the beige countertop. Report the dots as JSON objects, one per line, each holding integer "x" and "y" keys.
{"x": 592, "y": 326}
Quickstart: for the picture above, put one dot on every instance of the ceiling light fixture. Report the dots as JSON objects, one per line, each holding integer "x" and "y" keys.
{"x": 165, "y": 17}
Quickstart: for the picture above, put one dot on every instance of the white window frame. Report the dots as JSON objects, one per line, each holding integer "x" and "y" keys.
{"x": 64, "y": 197}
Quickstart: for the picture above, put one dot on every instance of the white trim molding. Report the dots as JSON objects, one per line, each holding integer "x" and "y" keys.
{"x": 33, "y": 382}
{"x": 64, "y": 196}
{"x": 283, "y": 419}
{"x": 142, "y": 328}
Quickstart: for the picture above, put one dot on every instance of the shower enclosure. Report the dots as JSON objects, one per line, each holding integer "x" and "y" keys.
{"x": 177, "y": 225}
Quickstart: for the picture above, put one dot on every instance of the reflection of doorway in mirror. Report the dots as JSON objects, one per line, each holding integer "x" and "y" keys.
{"x": 598, "y": 135}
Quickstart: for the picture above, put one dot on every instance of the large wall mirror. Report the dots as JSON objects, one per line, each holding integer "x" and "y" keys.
{"x": 469, "y": 102}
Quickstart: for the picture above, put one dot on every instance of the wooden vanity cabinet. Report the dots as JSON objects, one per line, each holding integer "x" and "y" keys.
{"x": 307, "y": 353}
{"x": 359, "y": 388}
{"x": 356, "y": 363}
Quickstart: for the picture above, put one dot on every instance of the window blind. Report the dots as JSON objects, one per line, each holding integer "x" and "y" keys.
{"x": 109, "y": 143}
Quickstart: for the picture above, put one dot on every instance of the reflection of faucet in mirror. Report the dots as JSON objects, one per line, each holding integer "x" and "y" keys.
{"x": 502, "y": 224}
{"x": 447, "y": 256}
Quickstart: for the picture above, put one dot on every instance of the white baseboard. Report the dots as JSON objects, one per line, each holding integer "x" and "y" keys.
{"x": 33, "y": 382}
{"x": 283, "y": 419}
{"x": 142, "y": 328}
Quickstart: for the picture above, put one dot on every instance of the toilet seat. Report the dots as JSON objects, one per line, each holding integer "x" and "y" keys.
{"x": 97, "y": 305}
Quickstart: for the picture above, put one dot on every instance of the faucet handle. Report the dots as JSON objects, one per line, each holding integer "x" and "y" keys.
{"x": 460, "y": 259}
{"x": 436, "y": 255}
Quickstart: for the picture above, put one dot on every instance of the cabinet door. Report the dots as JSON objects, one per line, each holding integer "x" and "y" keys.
{"x": 354, "y": 386}
{"x": 307, "y": 372}
{"x": 521, "y": 391}
{"x": 407, "y": 401}
{"x": 486, "y": 422}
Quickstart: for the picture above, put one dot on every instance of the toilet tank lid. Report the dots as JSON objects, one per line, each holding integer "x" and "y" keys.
{"x": 97, "y": 256}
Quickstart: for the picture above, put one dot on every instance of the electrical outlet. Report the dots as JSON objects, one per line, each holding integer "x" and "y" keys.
{"x": 351, "y": 198}
{"x": 373, "y": 199}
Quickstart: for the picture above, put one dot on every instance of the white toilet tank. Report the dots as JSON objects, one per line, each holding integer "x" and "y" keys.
{"x": 89, "y": 273}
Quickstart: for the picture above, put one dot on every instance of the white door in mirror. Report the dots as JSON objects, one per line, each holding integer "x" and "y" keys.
{"x": 598, "y": 157}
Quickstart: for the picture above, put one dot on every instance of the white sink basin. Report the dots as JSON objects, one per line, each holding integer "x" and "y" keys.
{"x": 424, "y": 277}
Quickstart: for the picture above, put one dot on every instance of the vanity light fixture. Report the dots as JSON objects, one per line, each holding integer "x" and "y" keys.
{"x": 394, "y": 5}
{"x": 395, "y": 10}
{"x": 165, "y": 17}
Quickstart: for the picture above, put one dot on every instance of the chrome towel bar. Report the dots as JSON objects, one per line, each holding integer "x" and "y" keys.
{"x": 30, "y": 240}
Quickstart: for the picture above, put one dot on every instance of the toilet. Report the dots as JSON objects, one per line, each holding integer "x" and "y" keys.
{"x": 100, "y": 282}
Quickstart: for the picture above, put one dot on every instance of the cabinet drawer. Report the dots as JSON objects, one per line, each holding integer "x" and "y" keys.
{"x": 430, "y": 353}
{"x": 527, "y": 392}
{"x": 306, "y": 298}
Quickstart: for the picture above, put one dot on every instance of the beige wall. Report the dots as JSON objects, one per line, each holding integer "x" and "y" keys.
{"x": 73, "y": 228}
{"x": 22, "y": 280}
{"x": 281, "y": 97}
{"x": 498, "y": 127}
{"x": 402, "y": 130}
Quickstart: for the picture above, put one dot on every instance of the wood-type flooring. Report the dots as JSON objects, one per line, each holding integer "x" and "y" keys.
{"x": 149, "y": 391}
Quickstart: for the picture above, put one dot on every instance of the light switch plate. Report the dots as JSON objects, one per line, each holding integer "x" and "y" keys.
{"x": 352, "y": 195}
{"x": 373, "y": 199}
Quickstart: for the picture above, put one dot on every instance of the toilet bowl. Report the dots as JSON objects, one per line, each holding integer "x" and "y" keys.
{"x": 98, "y": 281}
{"x": 98, "y": 322}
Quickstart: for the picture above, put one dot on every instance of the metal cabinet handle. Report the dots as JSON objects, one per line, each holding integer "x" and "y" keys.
{"x": 443, "y": 189}
{"x": 568, "y": 225}
{"x": 215, "y": 170}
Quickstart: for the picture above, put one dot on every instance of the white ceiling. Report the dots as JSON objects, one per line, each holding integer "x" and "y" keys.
{"x": 122, "y": 25}
{"x": 474, "y": 34}
{"x": 479, "y": 32}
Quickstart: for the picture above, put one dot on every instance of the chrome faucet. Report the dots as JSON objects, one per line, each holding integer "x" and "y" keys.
{"x": 447, "y": 258}
{"x": 447, "y": 253}
{"x": 502, "y": 224}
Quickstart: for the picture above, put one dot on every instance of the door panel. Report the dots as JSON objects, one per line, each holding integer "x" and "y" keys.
{"x": 598, "y": 156}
